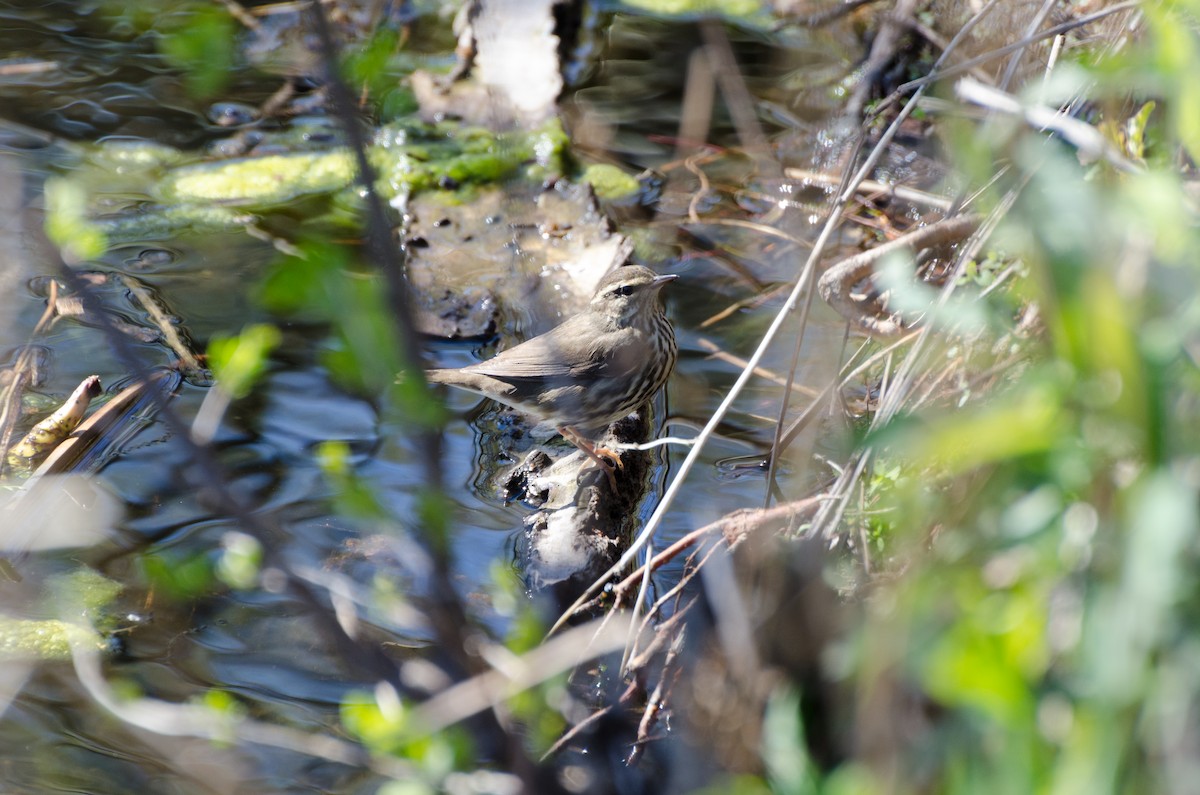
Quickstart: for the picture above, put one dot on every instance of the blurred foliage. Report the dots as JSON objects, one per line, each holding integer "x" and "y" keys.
{"x": 180, "y": 576}
{"x": 369, "y": 68}
{"x": 201, "y": 45}
{"x": 381, "y": 721}
{"x": 240, "y": 560}
{"x": 352, "y": 496}
{"x": 67, "y": 223}
{"x": 1050, "y": 531}
{"x": 238, "y": 362}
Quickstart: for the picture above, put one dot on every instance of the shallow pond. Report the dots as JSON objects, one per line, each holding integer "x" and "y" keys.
{"x": 105, "y": 80}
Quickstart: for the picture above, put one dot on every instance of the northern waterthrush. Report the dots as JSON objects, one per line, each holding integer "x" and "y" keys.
{"x": 589, "y": 371}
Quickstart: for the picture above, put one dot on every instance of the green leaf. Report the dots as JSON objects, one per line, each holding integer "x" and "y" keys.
{"x": 368, "y": 66}
{"x": 784, "y": 750}
{"x": 67, "y": 223}
{"x": 182, "y": 579}
{"x": 239, "y": 361}
{"x": 202, "y": 47}
{"x": 1018, "y": 425}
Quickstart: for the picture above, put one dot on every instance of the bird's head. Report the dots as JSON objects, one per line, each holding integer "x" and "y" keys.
{"x": 629, "y": 293}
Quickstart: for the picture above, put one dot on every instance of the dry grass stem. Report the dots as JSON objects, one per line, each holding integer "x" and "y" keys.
{"x": 187, "y": 358}
{"x": 22, "y": 370}
{"x": 939, "y": 73}
{"x": 487, "y": 690}
{"x": 762, "y": 372}
{"x": 874, "y": 188}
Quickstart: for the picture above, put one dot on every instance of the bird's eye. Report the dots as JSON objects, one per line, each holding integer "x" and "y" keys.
{"x": 624, "y": 289}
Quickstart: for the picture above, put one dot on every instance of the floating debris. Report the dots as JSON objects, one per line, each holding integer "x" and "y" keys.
{"x": 47, "y": 434}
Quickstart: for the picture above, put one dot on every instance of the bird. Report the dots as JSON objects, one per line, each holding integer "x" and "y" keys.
{"x": 589, "y": 371}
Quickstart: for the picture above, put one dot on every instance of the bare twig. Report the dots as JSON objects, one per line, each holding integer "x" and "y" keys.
{"x": 769, "y": 231}
{"x": 670, "y": 670}
{"x": 732, "y": 528}
{"x": 950, "y": 71}
{"x": 874, "y": 187}
{"x": 239, "y": 12}
{"x": 1086, "y": 138}
{"x": 10, "y": 399}
{"x": 770, "y": 375}
{"x": 883, "y": 49}
{"x": 691, "y": 166}
{"x": 190, "y": 362}
{"x": 1034, "y": 23}
{"x": 695, "y": 114}
{"x": 573, "y": 732}
{"x": 13, "y": 67}
{"x": 483, "y": 691}
{"x": 733, "y": 90}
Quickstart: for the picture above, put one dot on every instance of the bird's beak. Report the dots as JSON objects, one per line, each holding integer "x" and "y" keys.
{"x": 659, "y": 281}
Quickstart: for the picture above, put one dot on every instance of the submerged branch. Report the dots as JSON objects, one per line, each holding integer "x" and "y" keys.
{"x": 836, "y": 283}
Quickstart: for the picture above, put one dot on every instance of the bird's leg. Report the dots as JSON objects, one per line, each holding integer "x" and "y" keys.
{"x": 598, "y": 454}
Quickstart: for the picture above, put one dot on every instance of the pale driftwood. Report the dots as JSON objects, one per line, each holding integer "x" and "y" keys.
{"x": 870, "y": 186}
{"x": 66, "y": 457}
{"x": 508, "y": 72}
{"x": 54, "y": 509}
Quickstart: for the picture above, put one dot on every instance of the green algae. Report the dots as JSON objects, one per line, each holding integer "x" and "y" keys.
{"x": 407, "y": 158}
{"x": 83, "y": 591}
{"x": 163, "y": 222}
{"x": 81, "y": 596}
{"x": 259, "y": 181}
{"x": 144, "y": 191}
{"x": 611, "y": 183}
{"x": 752, "y": 12}
{"x": 50, "y": 639}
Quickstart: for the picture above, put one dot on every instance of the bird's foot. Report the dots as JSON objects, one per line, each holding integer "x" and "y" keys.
{"x": 609, "y": 470}
{"x": 612, "y": 456}
{"x": 608, "y": 460}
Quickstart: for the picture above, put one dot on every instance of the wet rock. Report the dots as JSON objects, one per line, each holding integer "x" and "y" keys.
{"x": 508, "y": 261}
{"x": 582, "y": 525}
{"x": 521, "y": 481}
{"x": 470, "y": 314}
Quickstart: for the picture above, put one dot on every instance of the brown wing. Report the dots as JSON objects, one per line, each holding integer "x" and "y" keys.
{"x": 567, "y": 351}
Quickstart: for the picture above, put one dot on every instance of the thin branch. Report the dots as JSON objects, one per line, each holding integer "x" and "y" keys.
{"x": 834, "y": 285}
{"x": 1030, "y": 30}
{"x": 875, "y": 187}
{"x": 717, "y": 353}
{"x": 950, "y": 71}
{"x": 1083, "y": 136}
{"x": 484, "y": 691}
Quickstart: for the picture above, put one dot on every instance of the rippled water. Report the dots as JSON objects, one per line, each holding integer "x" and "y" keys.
{"x": 107, "y": 81}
